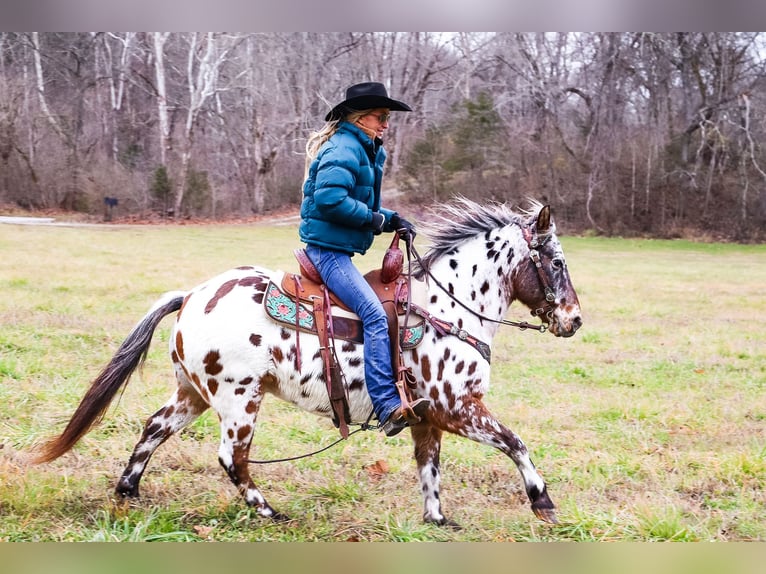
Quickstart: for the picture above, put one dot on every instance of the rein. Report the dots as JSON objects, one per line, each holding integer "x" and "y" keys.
{"x": 523, "y": 325}
{"x": 363, "y": 426}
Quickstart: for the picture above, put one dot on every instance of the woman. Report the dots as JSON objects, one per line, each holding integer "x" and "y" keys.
{"x": 341, "y": 213}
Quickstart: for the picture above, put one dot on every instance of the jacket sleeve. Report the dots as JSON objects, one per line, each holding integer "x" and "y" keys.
{"x": 336, "y": 177}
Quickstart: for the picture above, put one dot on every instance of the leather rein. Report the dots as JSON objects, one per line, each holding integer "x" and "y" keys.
{"x": 530, "y": 236}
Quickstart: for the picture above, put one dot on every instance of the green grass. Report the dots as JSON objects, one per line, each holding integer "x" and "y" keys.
{"x": 648, "y": 425}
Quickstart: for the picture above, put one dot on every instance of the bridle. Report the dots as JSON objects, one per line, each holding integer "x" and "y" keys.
{"x": 529, "y": 232}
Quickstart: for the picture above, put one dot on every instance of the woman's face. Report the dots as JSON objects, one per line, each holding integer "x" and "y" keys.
{"x": 376, "y": 120}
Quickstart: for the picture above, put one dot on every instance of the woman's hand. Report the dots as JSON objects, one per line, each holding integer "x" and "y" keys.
{"x": 403, "y": 227}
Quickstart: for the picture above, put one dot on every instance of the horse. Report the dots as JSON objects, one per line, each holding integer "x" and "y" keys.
{"x": 227, "y": 354}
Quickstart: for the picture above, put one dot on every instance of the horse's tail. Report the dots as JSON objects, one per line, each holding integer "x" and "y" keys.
{"x": 115, "y": 375}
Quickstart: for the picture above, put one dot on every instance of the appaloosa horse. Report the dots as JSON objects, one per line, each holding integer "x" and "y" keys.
{"x": 228, "y": 353}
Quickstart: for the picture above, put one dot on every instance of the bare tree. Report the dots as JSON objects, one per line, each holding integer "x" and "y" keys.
{"x": 650, "y": 132}
{"x": 158, "y": 42}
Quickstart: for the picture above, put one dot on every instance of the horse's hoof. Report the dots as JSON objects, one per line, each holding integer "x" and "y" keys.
{"x": 276, "y": 516}
{"x": 446, "y": 522}
{"x": 546, "y": 515}
{"x": 126, "y": 492}
{"x": 451, "y": 524}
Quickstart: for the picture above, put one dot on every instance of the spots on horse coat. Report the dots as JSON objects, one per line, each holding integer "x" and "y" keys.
{"x": 212, "y": 366}
{"x": 212, "y": 385}
{"x": 253, "y": 281}
{"x": 292, "y": 356}
{"x": 450, "y": 396}
{"x": 259, "y": 282}
{"x": 255, "y": 340}
{"x": 426, "y": 368}
{"x": 220, "y": 293}
{"x": 180, "y": 345}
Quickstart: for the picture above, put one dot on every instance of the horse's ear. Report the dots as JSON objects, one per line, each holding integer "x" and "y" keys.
{"x": 544, "y": 219}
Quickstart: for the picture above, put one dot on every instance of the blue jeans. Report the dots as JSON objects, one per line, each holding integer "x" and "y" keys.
{"x": 347, "y": 283}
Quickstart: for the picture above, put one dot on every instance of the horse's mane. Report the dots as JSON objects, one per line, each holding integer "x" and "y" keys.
{"x": 460, "y": 219}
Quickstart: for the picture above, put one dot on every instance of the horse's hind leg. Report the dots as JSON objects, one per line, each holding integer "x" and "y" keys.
{"x": 183, "y": 407}
{"x": 236, "y": 436}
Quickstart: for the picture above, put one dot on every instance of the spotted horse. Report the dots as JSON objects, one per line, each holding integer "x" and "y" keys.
{"x": 228, "y": 354}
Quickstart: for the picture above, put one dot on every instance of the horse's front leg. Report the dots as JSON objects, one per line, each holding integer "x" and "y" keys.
{"x": 472, "y": 420}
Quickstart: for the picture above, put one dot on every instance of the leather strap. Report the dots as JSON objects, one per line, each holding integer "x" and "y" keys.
{"x": 298, "y": 289}
{"x": 335, "y": 389}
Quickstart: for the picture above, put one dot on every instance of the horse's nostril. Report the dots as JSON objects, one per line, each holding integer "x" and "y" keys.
{"x": 577, "y": 322}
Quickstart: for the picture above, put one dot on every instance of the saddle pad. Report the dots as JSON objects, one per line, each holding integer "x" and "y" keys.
{"x": 282, "y": 308}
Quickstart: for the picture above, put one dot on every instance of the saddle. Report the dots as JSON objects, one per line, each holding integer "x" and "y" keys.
{"x": 303, "y": 302}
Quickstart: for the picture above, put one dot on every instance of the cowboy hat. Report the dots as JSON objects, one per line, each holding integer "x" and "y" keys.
{"x": 366, "y": 96}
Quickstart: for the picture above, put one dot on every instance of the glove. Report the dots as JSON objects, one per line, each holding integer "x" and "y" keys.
{"x": 376, "y": 225}
{"x": 404, "y": 228}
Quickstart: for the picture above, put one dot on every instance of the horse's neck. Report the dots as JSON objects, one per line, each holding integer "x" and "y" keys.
{"x": 478, "y": 275}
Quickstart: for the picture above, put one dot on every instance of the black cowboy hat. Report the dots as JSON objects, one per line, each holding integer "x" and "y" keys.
{"x": 366, "y": 96}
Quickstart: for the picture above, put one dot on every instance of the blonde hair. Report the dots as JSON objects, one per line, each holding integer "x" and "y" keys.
{"x": 318, "y": 138}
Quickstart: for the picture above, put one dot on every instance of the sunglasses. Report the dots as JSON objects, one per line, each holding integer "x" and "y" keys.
{"x": 382, "y": 118}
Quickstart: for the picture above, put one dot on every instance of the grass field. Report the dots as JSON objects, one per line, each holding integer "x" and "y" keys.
{"x": 648, "y": 425}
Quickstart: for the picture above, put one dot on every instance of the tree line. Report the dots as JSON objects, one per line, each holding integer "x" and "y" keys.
{"x": 623, "y": 133}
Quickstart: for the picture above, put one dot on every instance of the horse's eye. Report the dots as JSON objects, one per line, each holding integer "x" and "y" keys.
{"x": 557, "y": 263}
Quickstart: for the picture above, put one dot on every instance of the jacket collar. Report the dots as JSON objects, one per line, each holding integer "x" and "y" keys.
{"x": 373, "y": 145}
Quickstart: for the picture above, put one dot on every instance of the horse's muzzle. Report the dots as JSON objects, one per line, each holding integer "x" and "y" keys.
{"x": 565, "y": 323}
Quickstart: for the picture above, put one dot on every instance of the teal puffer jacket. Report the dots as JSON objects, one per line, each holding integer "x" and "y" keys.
{"x": 342, "y": 191}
